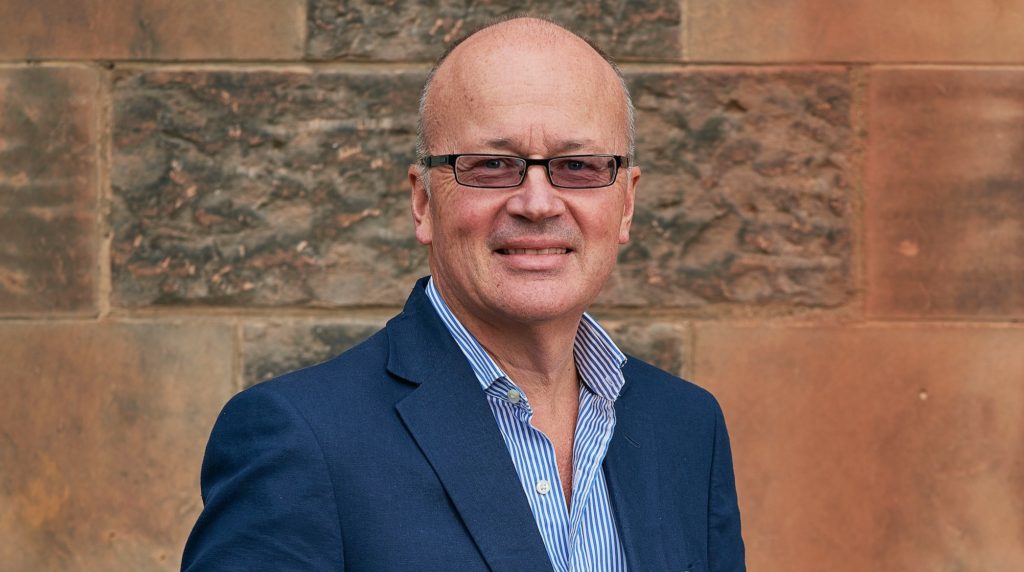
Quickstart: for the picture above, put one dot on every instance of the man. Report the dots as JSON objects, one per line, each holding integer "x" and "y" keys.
{"x": 492, "y": 425}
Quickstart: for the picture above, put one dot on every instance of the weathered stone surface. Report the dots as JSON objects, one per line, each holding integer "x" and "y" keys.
{"x": 48, "y": 190}
{"x": 418, "y": 30}
{"x": 264, "y": 188}
{"x": 289, "y": 188}
{"x": 863, "y": 31}
{"x": 944, "y": 200}
{"x": 272, "y": 348}
{"x": 745, "y": 193}
{"x": 874, "y": 448}
{"x": 152, "y": 29}
{"x": 102, "y": 428}
{"x": 664, "y": 344}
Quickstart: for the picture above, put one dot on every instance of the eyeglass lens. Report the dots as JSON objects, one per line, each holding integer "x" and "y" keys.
{"x": 497, "y": 171}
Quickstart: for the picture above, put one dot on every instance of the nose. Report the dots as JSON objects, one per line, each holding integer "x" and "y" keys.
{"x": 536, "y": 199}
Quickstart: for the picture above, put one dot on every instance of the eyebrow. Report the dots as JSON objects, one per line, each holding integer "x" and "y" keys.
{"x": 568, "y": 145}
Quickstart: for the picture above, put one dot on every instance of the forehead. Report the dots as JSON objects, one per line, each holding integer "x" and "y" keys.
{"x": 532, "y": 93}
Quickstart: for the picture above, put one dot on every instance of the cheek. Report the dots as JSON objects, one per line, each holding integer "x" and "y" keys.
{"x": 463, "y": 224}
{"x": 601, "y": 224}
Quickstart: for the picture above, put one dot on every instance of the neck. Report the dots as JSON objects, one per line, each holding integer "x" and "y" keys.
{"x": 538, "y": 356}
{"x": 540, "y": 360}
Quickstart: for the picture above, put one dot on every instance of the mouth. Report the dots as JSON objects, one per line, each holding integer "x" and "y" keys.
{"x": 534, "y": 251}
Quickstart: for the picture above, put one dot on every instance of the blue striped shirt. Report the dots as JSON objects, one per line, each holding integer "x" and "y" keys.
{"x": 584, "y": 538}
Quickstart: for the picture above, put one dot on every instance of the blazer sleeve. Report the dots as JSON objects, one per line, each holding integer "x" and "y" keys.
{"x": 725, "y": 543}
{"x": 268, "y": 499}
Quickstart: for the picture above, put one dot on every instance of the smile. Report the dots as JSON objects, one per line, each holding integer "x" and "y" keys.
{"x": 533, "y": 251}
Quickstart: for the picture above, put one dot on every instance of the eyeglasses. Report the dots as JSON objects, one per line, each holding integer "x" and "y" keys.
{"x": 506, "y": 171}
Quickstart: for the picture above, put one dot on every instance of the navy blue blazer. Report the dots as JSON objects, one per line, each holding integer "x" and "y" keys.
{"x": 388, "y": 457}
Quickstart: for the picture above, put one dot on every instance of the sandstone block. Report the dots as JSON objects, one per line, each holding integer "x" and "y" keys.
{"x": 264, "y": 188}
{"x": 152, "y": 29}
{"x": 48, "y": 190}
{"x": 102, "y": 429}
{"x": 270, "y": 349}
{"x": 944, "y": 199}
{"x": 405, "y": 30}
{"x": 884, "y": 448}
{"x": 864, "y": 31}
{"x": 289, "y": 188}
{"x": 745, "y": 193}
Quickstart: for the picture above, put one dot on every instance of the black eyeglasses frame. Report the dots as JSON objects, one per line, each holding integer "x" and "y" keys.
{"x": 431, "y": 161}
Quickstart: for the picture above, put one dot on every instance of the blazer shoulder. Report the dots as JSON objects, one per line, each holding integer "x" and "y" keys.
{"x": 350, "y": 376}
{"x": 664, "y": 394}
{"x": 657, "y": 382}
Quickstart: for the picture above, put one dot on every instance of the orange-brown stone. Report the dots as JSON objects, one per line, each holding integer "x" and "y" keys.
{"x": 863, "y": 31}
{"x": 152, "y": 29}
{"x": 102, "y": 428}
{"x": 944, "y": 196}
{"x": 874, "y": 448}
{"x": 48, "y": 190}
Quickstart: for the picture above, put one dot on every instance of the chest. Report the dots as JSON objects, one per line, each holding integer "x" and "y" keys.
{"x": 559, "y": 427}
{"x": 558, "y": 453}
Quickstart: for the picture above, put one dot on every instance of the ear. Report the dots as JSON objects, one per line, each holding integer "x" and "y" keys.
{"x": 628, "y": 204}
{"x": 420, "y": 206}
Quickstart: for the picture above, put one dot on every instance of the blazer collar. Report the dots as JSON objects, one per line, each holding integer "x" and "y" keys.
{"x": 450, "y": 420}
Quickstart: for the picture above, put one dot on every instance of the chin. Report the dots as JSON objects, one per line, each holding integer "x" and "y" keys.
{"x": 544, "y": 303}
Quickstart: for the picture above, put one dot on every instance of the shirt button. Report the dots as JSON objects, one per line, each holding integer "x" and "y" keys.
{"x": 543, "y": 486}
{"x": 513, "y": 396}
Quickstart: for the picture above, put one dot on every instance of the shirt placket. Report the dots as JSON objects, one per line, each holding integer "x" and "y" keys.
{"x": 581, "y": 540}
{"x": 593, "y": 432}
{"x": 538, "y": 473}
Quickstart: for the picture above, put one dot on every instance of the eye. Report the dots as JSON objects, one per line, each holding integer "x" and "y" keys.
{"x": 574, "y": 165}
{"x": 493, "y": 163}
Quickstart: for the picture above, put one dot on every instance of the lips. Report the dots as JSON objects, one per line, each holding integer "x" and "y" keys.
{"x": 533, "y": 251}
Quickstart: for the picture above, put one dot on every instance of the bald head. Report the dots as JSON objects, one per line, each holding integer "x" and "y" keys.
{"x": 515, "y": 69}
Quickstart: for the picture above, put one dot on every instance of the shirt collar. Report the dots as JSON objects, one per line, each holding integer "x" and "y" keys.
{"x": 598, "y": 360}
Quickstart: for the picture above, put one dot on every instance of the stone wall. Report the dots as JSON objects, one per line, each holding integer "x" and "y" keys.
{"x": 196, "y": 196}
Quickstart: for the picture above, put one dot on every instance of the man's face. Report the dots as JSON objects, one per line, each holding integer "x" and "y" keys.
{"x": 532, "y": 253}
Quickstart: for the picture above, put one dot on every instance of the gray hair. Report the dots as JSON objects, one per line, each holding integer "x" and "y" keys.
{"x": 423, "y": 143}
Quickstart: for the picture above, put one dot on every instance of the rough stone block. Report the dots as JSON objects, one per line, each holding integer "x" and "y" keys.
{"x": 102, "y": 428}
{"x": 863, "y": 31}
{"x": 48, "y": 190}
{"x": 944, "y": 199}
{"x": 873, "y": 448}
{"x": 421, "y": 30}
{"x": 264, "y": 188}
{"x": 663, "y": 344}
{"x": 289, "y": 188}
{"x": 152, "y": 29}
{"x": 745, "y": 193}
{"x": 273, "y": 348}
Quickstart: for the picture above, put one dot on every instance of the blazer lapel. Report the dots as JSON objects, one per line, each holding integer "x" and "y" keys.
{"x": 631, "y": 470}
{"x": 450, "y": 420}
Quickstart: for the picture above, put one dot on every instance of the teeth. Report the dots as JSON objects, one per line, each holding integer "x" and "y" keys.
{"x": 536, "y": 250}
